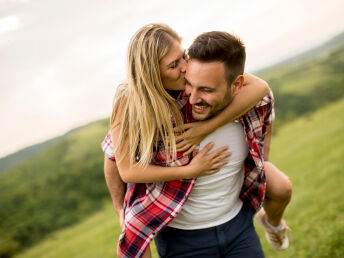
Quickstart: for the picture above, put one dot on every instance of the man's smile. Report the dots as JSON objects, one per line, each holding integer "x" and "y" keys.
{"x": 199, "y": 108}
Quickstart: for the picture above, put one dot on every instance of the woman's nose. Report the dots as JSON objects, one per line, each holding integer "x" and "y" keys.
{"x": 183, "y": 65}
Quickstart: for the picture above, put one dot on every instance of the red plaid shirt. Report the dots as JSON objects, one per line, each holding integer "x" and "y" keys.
{"x": 150, "y": 207}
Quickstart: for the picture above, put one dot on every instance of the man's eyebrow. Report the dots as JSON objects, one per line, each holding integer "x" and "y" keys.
{"x": 207, "y": 87}
{"x": 200, "y": 87}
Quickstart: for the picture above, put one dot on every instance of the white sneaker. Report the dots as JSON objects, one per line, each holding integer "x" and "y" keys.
{"x": 276, "y": 236}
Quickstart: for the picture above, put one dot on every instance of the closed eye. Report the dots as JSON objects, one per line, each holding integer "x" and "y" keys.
{"x": 207, "y": 90}
{"x": 173, "y": 64}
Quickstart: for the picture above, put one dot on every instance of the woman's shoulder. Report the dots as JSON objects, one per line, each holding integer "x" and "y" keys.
{"x": 119, "y": 103}
{"x": 121, "y": 94}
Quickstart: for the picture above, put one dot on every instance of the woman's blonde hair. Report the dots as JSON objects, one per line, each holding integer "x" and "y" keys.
{"x": 147, "y": 109}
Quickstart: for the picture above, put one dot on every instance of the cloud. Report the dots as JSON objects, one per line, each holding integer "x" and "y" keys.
{"x": 9, "y": 23}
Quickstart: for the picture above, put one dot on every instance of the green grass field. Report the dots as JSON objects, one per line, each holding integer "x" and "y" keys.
{"x": 310, "y": 150}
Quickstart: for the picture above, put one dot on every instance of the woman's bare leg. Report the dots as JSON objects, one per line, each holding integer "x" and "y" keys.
{"x": 278, "y": 193}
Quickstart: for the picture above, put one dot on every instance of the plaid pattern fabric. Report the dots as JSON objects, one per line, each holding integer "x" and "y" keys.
{"x": 150, "y": 207}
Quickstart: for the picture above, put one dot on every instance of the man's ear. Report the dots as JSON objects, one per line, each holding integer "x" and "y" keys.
{"x": 237, "y": 84}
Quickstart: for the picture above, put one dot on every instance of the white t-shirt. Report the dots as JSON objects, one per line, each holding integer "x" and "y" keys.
{"x": 215, "y": 198}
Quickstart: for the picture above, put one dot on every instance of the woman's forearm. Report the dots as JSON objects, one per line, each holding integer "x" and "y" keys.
{"x": 137, "y": 174}
{"x": 152, "y": 174}
{"x": 115, "y": 184}
{"x": 204, "y": 163}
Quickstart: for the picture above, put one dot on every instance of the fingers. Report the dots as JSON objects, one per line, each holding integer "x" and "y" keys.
{"x": 181, "y": 145}
{"x": 184, "y": 148}
{"x": 212, "y": 171}
{"x": 193, "y": 147}
{"x": 178, "y": 129}
{"x": 221, "y": 157}
{"x": 188, "y": 126}
{"x": 207, "y": 148}
{"x": 216, "y": 167}
{"x": 182, "y": 128}
{"x": 218, "y": 151}
{"x": 180, "y": 138}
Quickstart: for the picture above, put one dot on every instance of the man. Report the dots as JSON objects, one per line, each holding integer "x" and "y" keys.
{"x": 214, "y": 221}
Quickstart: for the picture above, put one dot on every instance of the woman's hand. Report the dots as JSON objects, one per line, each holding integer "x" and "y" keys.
{"x": 205, "y": 163}
{"x": 192, "y": 136}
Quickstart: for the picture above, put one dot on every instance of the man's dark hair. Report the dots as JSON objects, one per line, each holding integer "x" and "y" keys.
{"x": 222, "y": 47}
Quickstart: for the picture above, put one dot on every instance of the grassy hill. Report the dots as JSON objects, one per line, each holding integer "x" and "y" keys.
{"x": 305, "y": 87}
{"x": 309, "y": 150}
{"x": 54, "y": 189}
{"x": 22, "y": 155}
{"x": 19, "y": 157}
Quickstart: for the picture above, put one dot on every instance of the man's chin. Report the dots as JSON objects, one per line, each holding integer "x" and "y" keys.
{"x": 199, "y": 116}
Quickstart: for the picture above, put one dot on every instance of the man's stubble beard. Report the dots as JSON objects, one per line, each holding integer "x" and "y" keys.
{"x": 228, "y": 98}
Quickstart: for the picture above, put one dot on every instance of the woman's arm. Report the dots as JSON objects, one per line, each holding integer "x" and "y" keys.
{"x": 116, "y": 188}
{"x": 203, "y": 163}
{"x": 250, "y": 94}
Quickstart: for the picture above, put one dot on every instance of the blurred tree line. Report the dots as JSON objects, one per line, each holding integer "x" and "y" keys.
{"x": 55, "y": 189}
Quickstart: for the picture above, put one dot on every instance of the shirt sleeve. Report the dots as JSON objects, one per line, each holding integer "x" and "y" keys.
{"x": 107, "y": 147}
{"x": 270, "y": 113}
{"x": 181, "y": 99}
{"x": 267, "y": 103}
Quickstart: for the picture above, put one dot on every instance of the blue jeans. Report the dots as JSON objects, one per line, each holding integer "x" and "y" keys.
{"x": 236, "y": 238}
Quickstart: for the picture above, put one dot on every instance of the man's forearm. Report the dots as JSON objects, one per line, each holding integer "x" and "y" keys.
{"x": 115, "y": 184}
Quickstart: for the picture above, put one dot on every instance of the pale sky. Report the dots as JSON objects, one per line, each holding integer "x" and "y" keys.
{"x": 60, "y": 60}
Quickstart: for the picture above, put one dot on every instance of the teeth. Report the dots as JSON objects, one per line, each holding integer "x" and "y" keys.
{"x": 201, "y": 107}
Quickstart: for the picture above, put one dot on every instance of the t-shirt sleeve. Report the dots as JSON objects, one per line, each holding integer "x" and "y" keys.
{"x": 107, "y": 147}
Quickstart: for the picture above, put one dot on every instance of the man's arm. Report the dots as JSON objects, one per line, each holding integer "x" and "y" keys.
{"x": 116, "y": 187}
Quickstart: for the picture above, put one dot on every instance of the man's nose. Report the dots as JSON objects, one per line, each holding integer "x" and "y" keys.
{"x": 193, "y": 97}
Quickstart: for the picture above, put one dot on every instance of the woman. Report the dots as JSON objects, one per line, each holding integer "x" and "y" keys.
{"x": 143, "y": 107}
{"x": 144, "y": 115}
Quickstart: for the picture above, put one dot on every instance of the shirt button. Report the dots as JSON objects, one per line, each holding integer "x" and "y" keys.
{"x": 171, "y": 216}
{"x": 153, "y": 233}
